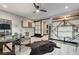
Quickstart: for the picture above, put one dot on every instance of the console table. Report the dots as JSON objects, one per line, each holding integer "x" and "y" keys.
{"x": 5, "y": 42}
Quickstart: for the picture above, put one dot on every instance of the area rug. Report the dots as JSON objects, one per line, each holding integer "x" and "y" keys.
{"x": 42, "y": 47}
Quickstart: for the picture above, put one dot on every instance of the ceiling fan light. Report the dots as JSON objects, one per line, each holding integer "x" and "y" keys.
{"x": 37, "y": 10}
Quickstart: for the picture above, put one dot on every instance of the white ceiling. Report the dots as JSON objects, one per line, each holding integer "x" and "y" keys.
{"x": 26, "y": 9}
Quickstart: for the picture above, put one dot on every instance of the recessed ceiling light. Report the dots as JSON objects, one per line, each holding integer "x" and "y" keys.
{"x": 66, "y": 7}
{"x": 4, "y": 6}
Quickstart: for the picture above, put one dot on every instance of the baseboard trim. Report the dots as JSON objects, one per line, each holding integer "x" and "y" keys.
{"x": 64, "y": 41}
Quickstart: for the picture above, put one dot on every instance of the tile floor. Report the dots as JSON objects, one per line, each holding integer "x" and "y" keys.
{"x": 66, "y": 48}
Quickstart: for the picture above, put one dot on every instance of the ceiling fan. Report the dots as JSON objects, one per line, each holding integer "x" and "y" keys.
{"x": 38, "y": 9}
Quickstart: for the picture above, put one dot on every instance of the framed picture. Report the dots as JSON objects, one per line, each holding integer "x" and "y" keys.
{"x": 26, "y": 24}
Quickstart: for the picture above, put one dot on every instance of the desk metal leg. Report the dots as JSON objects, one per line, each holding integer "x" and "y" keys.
{"x": 64, "y": 40}
{"x": 13, "y": 47}
{"x": 20, "y": 48}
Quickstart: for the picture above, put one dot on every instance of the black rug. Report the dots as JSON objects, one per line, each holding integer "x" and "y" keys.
{"x": 42, "y": 47}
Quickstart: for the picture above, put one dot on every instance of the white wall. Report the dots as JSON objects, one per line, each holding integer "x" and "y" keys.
{"x": 16, "y": 22}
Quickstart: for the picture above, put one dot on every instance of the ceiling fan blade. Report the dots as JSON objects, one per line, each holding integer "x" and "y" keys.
{"x": 37, "y": 7}
{"x": 43, "y": 10}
